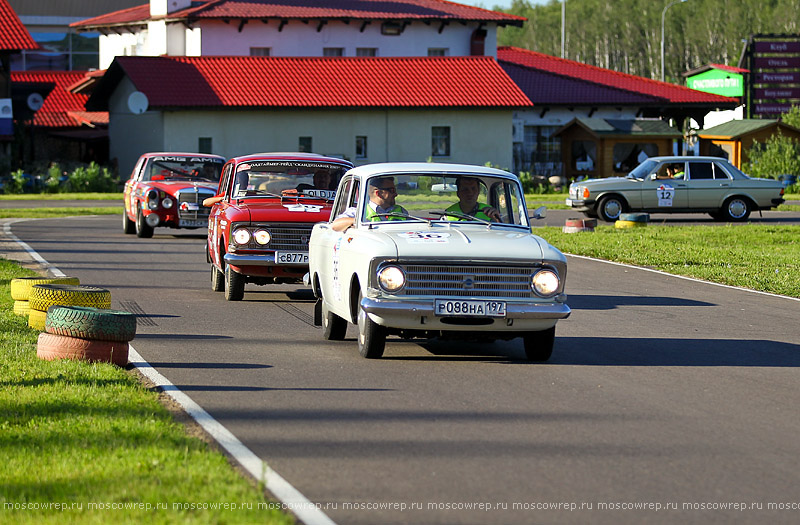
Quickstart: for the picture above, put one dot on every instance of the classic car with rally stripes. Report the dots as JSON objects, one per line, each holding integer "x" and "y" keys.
{"x": 261, "y": 218}
{"x": 167, "y": 190}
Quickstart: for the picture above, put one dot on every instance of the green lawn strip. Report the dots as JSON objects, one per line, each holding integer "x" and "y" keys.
{"x": 62, "y": 197}
{"x": 48, "y": 213}
{"x": 755, "y": 256}
{"x": 76, "y": 434}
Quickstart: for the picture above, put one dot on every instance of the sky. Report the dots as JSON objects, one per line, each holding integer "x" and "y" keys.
{"x": 489, "y": 4}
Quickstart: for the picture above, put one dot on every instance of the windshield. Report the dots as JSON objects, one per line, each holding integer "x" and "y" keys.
{"x": 454, "y": 198}
{"x": 642, "y": 170}
{"x": 265, "y": 178}
{"x": 183, "y": 168}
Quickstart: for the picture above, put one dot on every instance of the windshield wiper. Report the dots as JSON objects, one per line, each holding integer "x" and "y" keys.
{"x": 461, "y": 216}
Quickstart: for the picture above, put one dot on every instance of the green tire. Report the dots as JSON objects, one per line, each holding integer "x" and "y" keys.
{"x": 95, "y": 324}
{"x": 21, "y": 286}
{"x": 43, "y": 296}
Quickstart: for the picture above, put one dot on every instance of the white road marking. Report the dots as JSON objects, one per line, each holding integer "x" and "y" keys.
{"x": 290, "y": 497}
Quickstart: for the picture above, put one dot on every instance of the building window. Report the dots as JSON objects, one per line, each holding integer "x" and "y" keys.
{"x": 629, "y": 155}
{"x": 539, "y": 152}
{"x": 61, "y": 51}
{"x": 333, "y": 51}
{"x": 438, "y": 51}
{"x": 361, "y": 147}
{"x": 260, "y": 51}
{"x": 204, "y": 145}
{"x": 366, "y": 51}
{"x": 304, "y": 145}
{"x": 440, "y": 141}
{"x": 584, "y": 155}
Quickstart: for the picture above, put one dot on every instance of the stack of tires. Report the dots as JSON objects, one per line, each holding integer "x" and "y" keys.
{"x": 87, "y": 333}
{"x": 579, "y": 225}
{"x": 632, "y": 220}
{"x": 21, "y": 289}
{"x": 43, "y": 296}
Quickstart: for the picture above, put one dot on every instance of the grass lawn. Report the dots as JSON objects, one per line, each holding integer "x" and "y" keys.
{"x": 62, "y": 197}
{"x": 49, "y": 213}
{"x": 93, "y": 439}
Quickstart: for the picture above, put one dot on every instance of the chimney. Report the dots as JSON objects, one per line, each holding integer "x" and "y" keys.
{"x": 165, "y": 7}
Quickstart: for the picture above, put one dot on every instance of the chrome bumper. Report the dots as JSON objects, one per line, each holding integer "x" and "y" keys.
{"x": 258, "y": 260}
{"x": 393, "y": 309}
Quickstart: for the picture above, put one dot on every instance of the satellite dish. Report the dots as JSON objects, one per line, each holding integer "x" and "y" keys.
{"x": 137, "y": 102}
{"x": 35, "y": 101}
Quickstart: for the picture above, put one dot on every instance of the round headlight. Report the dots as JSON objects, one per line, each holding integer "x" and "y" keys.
{"x": 262, "y": 237}
{"x": 167, "y": 202}
{"x": 545, "y": 283}
{"x": 241, "y": 236}
{"x": 391, "y": 278}
{"x": 152, "y": 199}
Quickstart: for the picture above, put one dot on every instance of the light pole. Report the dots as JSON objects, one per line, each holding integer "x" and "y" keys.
{"x": 663, "y": 14}
{"x": 563, "y": 26}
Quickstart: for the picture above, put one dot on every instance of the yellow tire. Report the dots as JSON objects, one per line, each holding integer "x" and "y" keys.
{"x": 22, "y": 308}
{"x": 629, "y": 224}
{"x": 21, "y": 286}
{"x": 43, "y": 296}
{"x": 36, "y": 320}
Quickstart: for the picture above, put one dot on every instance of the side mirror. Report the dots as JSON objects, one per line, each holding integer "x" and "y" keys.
{"x": 540, "y": 212}
{"x": 653, "y": 176}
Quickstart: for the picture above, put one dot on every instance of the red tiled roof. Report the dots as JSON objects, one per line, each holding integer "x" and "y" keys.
{"x": 315, "y": 9}
{"x": 13, "y": 35}
{"x": 595, "y": 78}
{"x": 61, "y": 108}
{"x": 415, "y": 82}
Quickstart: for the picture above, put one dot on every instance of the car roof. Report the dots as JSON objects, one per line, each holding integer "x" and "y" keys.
{"x": 292, "y": 156}
{"x": 433, "y": 168}
{"x": 182, "y": 154}
{"x": 685, "y": 158}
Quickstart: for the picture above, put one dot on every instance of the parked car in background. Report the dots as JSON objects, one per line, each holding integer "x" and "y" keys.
{"x": 451, "y": 256}
{"x": 677, "y": 184}
{"x": 167, "y": 189}
{"x": 262, "y": 215}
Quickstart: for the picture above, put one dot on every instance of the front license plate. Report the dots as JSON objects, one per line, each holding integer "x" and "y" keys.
{"x": 291, "y": 257}
{"x": 568, "y": 202}
{"x": 451, "y": 308}
{"x": 189, "y": 223}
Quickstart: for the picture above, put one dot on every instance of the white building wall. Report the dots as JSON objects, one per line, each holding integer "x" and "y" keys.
{"x": 131, "y": 135}
{"x": 194, "y": 42}
{"x": 155, "y": 43}
{"x": 299, "y": 39}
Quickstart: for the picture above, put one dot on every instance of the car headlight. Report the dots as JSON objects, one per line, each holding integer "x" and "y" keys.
{"x": 152, "y": 199}
{"x": 391, "y": 278}
{"x": 241, "y": 236}
{"x": 167, "y": 202}
{"x": 262, "y": 237}
{"x": 545, "y": 283}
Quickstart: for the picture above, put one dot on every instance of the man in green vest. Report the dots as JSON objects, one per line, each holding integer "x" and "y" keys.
{"x": 468, "y": 190}
{"x": 380, "y": 207}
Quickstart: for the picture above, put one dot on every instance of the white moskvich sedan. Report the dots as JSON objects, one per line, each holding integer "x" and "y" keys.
{"x": 435, "y": 250}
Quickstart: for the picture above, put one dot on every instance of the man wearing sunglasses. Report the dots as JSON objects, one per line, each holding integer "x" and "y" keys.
{"x": 381, "y": 206}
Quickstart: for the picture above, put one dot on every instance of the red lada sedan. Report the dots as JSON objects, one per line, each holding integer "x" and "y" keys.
{"x": 167, "y": 189}
{"x": 262, "y": 215}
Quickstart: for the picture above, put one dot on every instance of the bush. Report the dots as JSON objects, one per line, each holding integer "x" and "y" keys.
{"x": 16, "y": 182}
{"x": 779, "y": 155}
{"x": 91, "y": 179}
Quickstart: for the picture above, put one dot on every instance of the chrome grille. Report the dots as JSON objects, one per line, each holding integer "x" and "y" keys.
{"x": 290, "y": 237}
{"x": 190, "y": 203}
{"x": 468, "y": 281}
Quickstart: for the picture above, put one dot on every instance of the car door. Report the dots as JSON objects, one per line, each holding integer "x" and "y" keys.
{"x": 130, "y": 188}
{"x": 216, "y": 216}
{"x": 326, "y": 249}
{"x": 706, "y": 191}
{"x": 661, "y": 192}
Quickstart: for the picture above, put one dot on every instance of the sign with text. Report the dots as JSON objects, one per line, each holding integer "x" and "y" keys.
{"x": 773, "y": 93}
{"x": 778, "y": 78}
{"x": 777, "y": 47}
{"x": 772, "y": 109}
{"x": 777, "y": 62}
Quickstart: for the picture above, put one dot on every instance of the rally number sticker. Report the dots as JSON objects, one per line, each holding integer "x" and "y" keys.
{"x": 665, "y": 194}
{"x": 426, "y": 237}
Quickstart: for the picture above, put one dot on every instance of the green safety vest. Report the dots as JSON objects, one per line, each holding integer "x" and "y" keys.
{"x": 456, "y": 208}
{"x": 372, "y": 215}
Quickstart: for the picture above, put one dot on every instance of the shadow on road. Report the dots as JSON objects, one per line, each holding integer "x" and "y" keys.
{"x": 610, "y": 302}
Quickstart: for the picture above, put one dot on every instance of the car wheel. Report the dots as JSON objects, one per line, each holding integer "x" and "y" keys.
{"x": 736, "y": 209}
{"x": 217, "y": 280}
{"x": 234, "y": 285}
{"x": 371, "y": 335}
{"x": 539, "y": 345}
{"x": 128, "y": 227}
{"x": 610, "y": 208}
{"x": 143, "y": 230}
{"x": 334, "y": 327}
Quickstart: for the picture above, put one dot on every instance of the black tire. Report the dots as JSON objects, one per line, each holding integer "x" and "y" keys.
{"x": 234, "y": 285}
{"x": 143, "y": 230}
{"x": 610, "y": 208}
{"x": 539, "y": 345}
{"x": 90, "y": 323}
{"x": 736, "y": 209}
{"x": 217, "y": 280}
{"x": 334, "y": 327}
{"x": 128, "y": 226}
{"x": 371, "y": 335}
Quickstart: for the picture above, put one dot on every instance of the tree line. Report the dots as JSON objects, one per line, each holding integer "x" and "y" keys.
{"x": 625, "y": 35}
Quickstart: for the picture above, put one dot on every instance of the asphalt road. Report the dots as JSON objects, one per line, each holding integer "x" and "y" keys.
{"x": 661, "y": 391}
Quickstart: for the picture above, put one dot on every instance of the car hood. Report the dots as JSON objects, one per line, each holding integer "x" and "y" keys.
{"x": 470, "y": 242}
{"x": 610, "y": 181}
{"x": 288, "y": 210}
{"x": 172, "y": 187}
